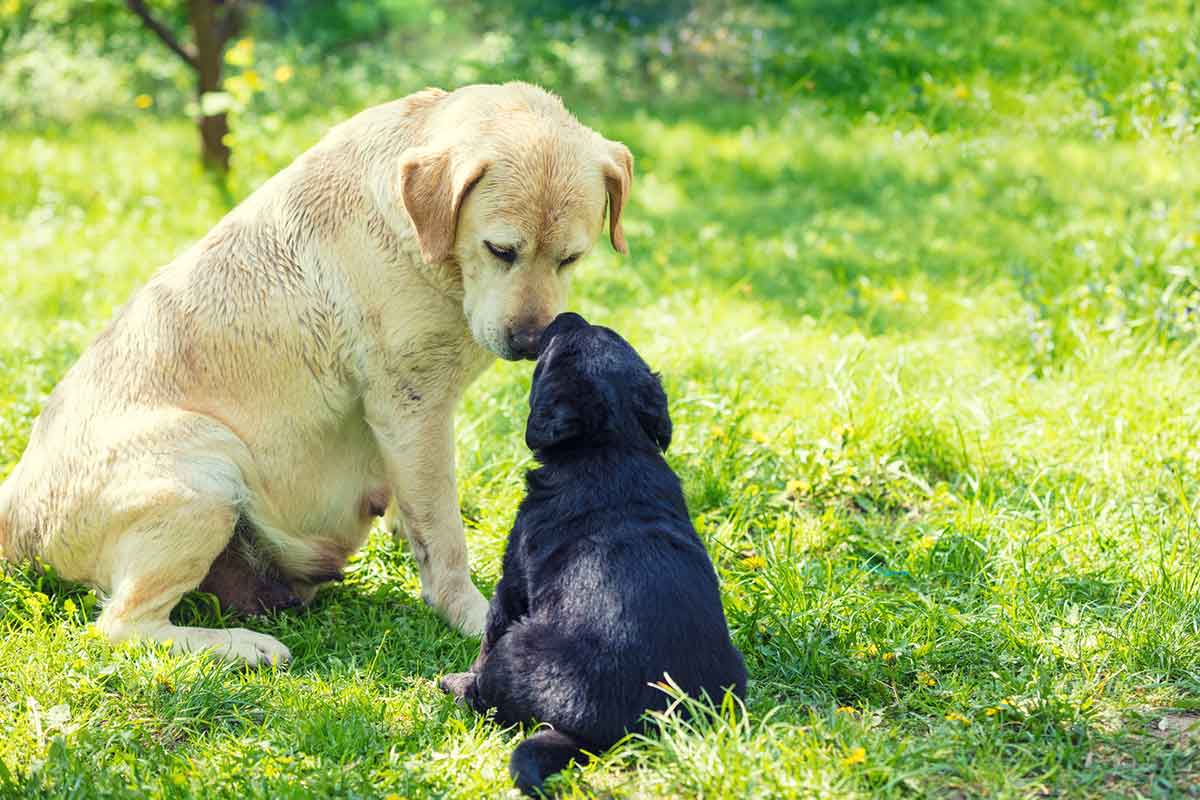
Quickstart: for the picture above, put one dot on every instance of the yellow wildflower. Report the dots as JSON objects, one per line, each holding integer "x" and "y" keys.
{"x": 925, "y": 679}
{"x": 899, "y": 295}
{"x": 143, "y": 101}
{"x": 962, "y": 92}
{"x": 717, "y": 431}
{"x": 252, "y": 80}
{"x": 954, "y": 716}
{"x": 284, "y": 73}
{"x": 889, "y": 657}
{"x": 797, "y": 487}
{"x": 846, "y": 710}
{"x": 69, "y": 606}
{"x": 856, "y": 756}
{"x": 242, "y": 53}
{"x": 759, "y": 437}
{"x": 991, "y": 711}
{"x": 754, "y": 562}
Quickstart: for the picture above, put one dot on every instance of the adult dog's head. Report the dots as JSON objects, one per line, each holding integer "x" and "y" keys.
{"x": 509, "y": 190}
{"x": 592, "y": 389}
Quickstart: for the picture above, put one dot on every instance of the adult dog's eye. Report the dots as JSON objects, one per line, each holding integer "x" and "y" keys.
{"x": 568, "y": 261}
{"x": 504, "y": 254}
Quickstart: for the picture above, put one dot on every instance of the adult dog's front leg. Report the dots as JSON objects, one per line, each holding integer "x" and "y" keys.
{"x": 420, "y": 464}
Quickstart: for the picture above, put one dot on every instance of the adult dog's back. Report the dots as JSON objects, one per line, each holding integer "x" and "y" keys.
{"x": 260, "y": 401}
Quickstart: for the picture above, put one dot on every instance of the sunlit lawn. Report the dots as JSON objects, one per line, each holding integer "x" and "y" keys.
{"x": 937, "y": 413}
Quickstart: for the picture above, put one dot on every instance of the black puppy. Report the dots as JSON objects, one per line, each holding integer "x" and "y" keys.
{"x": 606, "y": 586}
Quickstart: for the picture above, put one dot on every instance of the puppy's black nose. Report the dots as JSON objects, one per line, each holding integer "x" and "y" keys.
{"x": 523, "y": 342}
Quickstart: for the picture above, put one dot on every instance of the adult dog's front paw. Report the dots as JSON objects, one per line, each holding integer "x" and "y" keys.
{"x": 472, "y": 618}
{"x": 463, "y": 607}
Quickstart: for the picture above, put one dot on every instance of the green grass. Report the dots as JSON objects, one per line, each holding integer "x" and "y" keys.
{"x": 933, "y": 371}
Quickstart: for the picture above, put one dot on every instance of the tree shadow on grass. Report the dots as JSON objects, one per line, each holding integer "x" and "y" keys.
{"x": 810, "y": 217}
{"x": 854, "y": 53}
{"x": 800, "y": 236}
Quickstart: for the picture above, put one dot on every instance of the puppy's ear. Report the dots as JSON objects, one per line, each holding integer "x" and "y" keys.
{"x": 560, "y": 414}
{"x": 618, "y": 180}
{"x": 433, "y": 186}
{"x": 552, "y": 425}
{"x": 650, "y": 406}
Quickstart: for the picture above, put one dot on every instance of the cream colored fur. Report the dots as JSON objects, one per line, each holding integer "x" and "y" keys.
{"x": 310, "y": 351}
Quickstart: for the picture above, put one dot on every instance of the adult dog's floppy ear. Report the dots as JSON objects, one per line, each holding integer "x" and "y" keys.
{"x": 618, "y": 180}
{"x": 650, "y": 407}
{"x": 433, "y": 184}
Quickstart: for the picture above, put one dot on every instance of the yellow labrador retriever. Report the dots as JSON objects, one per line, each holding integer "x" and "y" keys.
{"x": 249, "y": 412}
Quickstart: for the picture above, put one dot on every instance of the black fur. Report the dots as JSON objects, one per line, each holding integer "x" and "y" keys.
{"x": 542, "y": 755}
{"x": 606, "y": 586}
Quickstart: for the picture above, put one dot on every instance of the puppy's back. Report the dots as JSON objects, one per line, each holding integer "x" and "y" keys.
{"x": 632, "y": 597}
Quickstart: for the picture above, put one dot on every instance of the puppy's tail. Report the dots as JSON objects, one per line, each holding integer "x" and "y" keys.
{"x": 542, "y": 755}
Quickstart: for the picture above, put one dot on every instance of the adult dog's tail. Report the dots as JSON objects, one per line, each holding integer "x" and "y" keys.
{"x": 542, "y": 755}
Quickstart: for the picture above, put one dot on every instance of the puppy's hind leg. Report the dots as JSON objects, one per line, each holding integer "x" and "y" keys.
{"x": 166, "y": 553}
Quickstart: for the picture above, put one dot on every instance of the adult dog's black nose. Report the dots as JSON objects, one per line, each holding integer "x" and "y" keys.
{"x": 523, "y": 342}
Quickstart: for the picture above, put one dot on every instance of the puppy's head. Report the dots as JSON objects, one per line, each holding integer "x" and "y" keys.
{"x": 511, "y": 193}
{"x": 592, "y": 389}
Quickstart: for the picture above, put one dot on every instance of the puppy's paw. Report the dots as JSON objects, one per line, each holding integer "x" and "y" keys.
{"x": 457, "y": 684}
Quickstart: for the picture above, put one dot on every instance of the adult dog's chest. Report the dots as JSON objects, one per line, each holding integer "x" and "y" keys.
{"x": 424, "y": 365}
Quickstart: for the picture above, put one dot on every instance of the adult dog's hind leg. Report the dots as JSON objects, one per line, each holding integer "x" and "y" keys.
{"x": 166, "y": 553}
{"x": 245, "y": 581}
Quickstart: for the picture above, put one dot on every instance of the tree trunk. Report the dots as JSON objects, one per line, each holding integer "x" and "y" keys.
{"x": 210, "y": 40}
